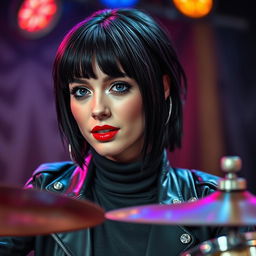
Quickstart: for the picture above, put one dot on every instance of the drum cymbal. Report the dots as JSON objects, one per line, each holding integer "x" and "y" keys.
{"x": 218, "y": 209}
{"x": 34, "y": 212}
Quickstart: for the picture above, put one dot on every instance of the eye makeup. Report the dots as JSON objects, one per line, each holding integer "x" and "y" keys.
{"x": 79, "y": 92}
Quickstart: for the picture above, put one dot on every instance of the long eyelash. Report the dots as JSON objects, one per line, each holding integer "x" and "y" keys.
{"x": 128, "y": 87}
{"x": 74, "y": 90}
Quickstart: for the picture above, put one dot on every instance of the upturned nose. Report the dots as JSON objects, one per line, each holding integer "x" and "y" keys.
{"x": 100, "y": 108}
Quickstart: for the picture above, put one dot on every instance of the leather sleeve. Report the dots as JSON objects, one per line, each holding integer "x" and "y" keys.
{"x": 205, "y": 183}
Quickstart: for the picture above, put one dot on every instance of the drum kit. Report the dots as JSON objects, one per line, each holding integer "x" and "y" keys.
{"x": 33, "y": 212}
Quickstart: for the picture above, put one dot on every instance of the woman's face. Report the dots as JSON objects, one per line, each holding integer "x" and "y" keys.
{"x": 109, "y": 114}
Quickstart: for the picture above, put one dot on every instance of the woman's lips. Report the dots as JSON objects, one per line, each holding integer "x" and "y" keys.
{"x": 104, "y": 133}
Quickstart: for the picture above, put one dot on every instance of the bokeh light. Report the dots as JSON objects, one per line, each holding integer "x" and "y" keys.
{"x": 119, "y": 3}
{"x": 36, "y": 15}
{"x": 194, "y": 8}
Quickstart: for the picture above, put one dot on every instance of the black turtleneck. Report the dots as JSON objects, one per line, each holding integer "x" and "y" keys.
{"x": 117, "y": 185}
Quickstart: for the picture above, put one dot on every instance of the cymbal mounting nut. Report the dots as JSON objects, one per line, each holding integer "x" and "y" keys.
{"x": 231, "y": 164}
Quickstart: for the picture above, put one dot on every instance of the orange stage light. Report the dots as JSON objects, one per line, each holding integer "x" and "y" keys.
{"x": 194, "y": 8}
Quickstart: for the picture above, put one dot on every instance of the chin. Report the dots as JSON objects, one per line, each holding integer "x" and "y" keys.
{"x": 115, "y": 154}
{"x": 107, "y": 151}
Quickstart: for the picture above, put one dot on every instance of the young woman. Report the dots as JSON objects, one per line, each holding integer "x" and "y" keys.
{"x": 119, "y": 89}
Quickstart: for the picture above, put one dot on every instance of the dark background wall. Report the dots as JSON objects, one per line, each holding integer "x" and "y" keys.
{"x": 218, "y": 53}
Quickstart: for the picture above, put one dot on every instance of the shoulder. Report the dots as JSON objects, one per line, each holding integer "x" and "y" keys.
{"x": 203, "y": 178}
{"x": 63, "y": 177}
{"x": 194, "y": 183}
{"x": 54, "y": 167}
{"x": 181, "y": 185}
{"x": 199, "y": 178}
{"x": 47, "y": 173}
{"x": 186, "y": 178}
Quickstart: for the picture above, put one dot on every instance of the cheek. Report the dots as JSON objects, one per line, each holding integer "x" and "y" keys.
{"x": 78, "y": 112}
{"x": 80, "y": 115}
{"x": 74, "y": 110}
{"x": 132, "y": 111}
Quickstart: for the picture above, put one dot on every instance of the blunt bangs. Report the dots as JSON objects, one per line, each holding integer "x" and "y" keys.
{"x": 79, "y": 56}
{"x": 117, "y": 53}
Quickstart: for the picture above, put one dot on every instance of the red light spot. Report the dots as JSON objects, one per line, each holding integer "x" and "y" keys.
{"x": 36, "y": 15}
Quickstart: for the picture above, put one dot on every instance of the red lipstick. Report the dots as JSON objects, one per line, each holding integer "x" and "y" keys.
{"x": 104, "y": 133}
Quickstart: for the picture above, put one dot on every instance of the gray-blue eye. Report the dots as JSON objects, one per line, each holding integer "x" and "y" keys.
{"x": 80, "y": 92}
{"x": 120, "y": 87}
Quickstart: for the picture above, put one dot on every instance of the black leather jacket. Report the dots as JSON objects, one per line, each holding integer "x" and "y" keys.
{"x": 175, "y": 185}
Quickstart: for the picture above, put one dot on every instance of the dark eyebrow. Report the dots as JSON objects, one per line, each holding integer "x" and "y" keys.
{"x": 78, "y": 81}
{"x": 106, "y": 79}
{"x": 109, "y": 78}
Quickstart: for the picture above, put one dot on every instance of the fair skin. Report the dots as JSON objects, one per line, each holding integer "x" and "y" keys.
{"x": 115, "y": 102}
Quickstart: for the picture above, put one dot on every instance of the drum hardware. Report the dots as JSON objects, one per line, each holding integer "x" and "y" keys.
{"x": 232, "y": 245}
{"x": 231, "y": 205}
{"x": 33, "y": 212}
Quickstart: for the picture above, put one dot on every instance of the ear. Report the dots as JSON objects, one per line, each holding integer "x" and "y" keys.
{"x": 167, "y": 85}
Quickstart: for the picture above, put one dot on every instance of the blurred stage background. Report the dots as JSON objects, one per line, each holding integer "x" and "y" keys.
{"x": 217, "y": 51}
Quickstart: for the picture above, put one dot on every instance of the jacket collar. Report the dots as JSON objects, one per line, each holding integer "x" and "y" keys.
{"x": 75, "y": 182}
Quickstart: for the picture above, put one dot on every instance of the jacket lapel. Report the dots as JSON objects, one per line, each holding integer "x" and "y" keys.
{"x": 76, "y": 243}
